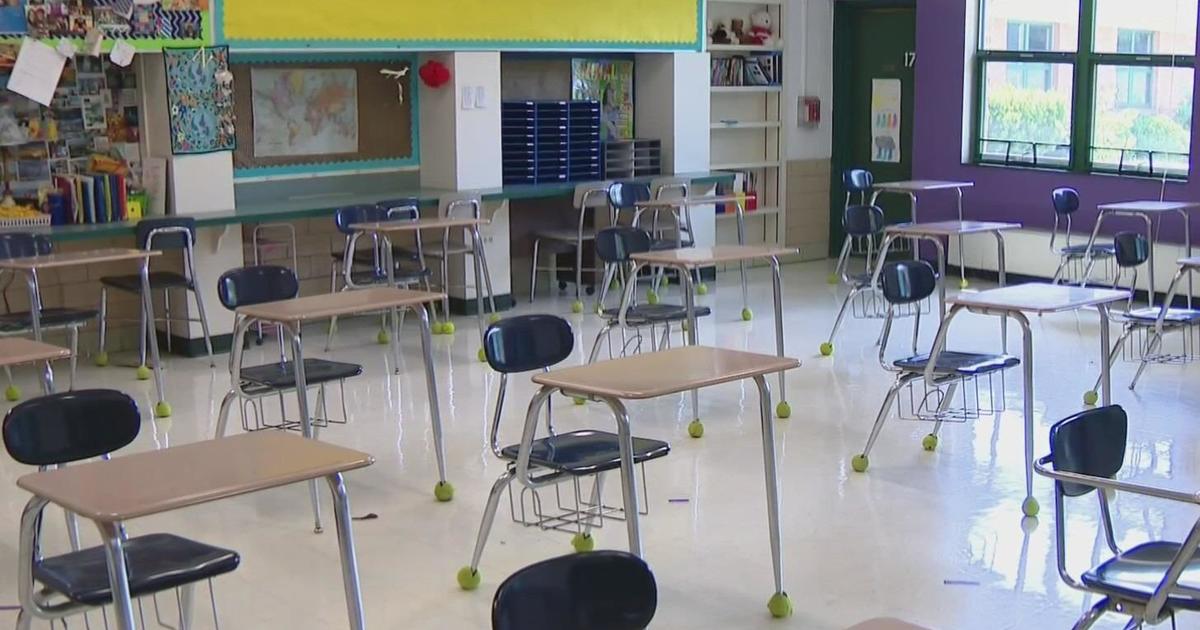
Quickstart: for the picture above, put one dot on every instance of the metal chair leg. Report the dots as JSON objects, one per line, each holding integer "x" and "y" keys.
{"x": 837, "y": 323}
{"x": 204, "y": 326}
{"x": 333, "y": 320}
{"x": 489, "y": 516}
{"x": 167, "y": 313}
{"x": 74, "y": 356}
{"x": 223, "y": 413}
{"x": 1112, "y": 354}
{"x": 103, "y": 324}
{"x": 1093, "y": 615}
{"x": 187, "y": 595}
{"x": 885, "y": 410}
{"x": 604, "y": 333}
{"x": 537, "y": 245}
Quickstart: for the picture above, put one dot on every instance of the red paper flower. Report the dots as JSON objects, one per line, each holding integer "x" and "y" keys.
{"x": 435, "y": 74}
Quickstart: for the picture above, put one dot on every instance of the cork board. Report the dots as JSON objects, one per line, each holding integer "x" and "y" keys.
{"x": 385, "y": 124}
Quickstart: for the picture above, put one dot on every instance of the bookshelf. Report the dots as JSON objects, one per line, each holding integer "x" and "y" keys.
{"x": 748, "y": 134}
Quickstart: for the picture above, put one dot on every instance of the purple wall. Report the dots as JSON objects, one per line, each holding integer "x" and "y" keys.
{"x": 1005, "y": 193}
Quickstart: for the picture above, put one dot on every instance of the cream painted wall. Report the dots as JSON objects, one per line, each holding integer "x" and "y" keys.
{"x": 808, "y": 62}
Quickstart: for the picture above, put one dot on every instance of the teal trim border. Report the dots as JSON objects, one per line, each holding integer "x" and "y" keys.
{"x": 414, "y": 97}
{"x": 414, "y": 45}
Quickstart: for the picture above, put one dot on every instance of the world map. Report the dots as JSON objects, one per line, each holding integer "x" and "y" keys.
{"x": 301, "y": 111}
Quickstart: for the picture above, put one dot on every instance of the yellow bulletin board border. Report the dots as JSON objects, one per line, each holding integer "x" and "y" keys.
{"x": 654, "y": 25}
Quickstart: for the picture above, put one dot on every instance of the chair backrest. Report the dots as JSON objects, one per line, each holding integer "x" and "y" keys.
{"x": 857, "y": 180}
{"x": 1089, "y": 443}
{"x": 246, "y": 286}
{"x": 1065, "y": 200}
{"x": 626, "y": 195}
{"x": 172, "y": 233}
{"x": 72, "y": 426}
{"x": 460, "y": 206}
{"x": 23, "y": 245}
{"x": 527, "y": 342}
{"x": 600, "y": 590}
{"x": 862, "y": 220}
{"x": 617, "y": 244}
{"x": 1133, "y": 249}
{"x": 365, "y": 213}
{"x": 591, "y": 195}
{"x": 906, "y": 282}
{"x": 405, "y": 208}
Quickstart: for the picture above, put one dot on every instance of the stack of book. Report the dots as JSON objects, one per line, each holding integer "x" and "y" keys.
{"x": 745, "y": 187}
{"x": 758, "y": 70}
{"x": 93, "y": 198}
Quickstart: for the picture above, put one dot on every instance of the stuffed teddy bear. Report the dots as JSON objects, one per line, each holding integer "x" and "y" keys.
{"x": 718, "y": 34}
{"x": 760, "y": 33}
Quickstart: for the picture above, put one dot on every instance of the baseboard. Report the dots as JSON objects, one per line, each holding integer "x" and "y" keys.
{"x": 192, "y": 348}
{"x": 462, "y": 306}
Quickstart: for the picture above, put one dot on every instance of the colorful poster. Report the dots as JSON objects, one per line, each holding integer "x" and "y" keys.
{"x": 304, "y": 111}
{"x": 886, "y": 97}
{"x": 200, "y": 100}
{"x": 611, "y": 83}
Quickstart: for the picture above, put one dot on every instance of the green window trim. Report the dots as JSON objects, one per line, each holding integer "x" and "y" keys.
{"x": 1084, "y": 64}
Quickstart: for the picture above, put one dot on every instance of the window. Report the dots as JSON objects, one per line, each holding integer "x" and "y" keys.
{"x": 1114, "y": 96}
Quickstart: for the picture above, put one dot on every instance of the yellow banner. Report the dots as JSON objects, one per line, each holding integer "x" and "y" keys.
{"x": 506, "y": 23}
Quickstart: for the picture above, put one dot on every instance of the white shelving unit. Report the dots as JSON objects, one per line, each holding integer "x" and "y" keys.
{"x": 747, "y": 127}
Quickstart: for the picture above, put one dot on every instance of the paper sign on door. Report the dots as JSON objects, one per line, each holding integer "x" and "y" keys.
{"x": 886, "y": 97}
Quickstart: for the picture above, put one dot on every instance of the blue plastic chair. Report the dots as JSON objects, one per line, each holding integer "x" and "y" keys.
{"x": 1150, "y": 581}
{"x": 260, "y": 284}
{"x": 536, "y": 342}
{"x": 1065, "y": 202}
{"x": 863, "y": 225}
{"x": 603, "y": 590}
{"x": 906, "y": 283}
{"x": 64, "y": 428}
{"x": 615, "y": 247}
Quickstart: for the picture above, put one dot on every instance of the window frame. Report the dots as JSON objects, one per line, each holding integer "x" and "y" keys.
{"x": 1084, "y": 63}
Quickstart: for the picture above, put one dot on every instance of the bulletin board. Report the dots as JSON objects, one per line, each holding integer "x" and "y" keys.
{"x": 380, "y": 132}
{"x": 147, "y": 26}
{"x": 465, "y": 24}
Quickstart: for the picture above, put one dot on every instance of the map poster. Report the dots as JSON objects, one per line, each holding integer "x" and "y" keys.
{"x": 885, "y": 120}
{"x": 304, "y": 111}
{"x": 611, "y": 83}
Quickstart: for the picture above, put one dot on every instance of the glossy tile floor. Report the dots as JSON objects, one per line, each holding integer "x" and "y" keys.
{"x": 933, "y": 538}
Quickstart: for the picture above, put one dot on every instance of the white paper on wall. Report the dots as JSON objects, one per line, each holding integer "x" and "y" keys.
{"x": 886, "y": 99}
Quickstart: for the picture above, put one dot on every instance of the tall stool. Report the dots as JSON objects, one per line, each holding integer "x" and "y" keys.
{"x": 162, "y": 234}
{"x": 587, "y": 197}
{"x": 459, "y": 206}
{"x": 59, "y": 429}
{"x": 359, "y": 268}
{"x": 536, "y": 342}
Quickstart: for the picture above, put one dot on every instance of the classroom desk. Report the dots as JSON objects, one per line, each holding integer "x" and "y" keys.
{"x": 935, "y": 232}
{"x": 290, "y": 315}
{"x": 385, "y": 229}
{"x": 112, "y": 492}
{"x": 32, "y": 265}
{"x": 685, "y": 205}
{"x": 1150, "y": 212}
{"x": 657, "y": 374}
{"x": 912, "y": 188}
{"x": 16, "y": 351}
{"x": 1016, "y": 301}
{"x": 690, "y": 259}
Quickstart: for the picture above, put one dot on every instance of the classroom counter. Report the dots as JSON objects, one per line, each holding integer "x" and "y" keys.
{"x": 324, "y": 204}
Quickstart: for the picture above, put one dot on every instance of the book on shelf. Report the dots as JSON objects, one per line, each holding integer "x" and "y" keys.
{"x": 745, "y": 187}
{"x": 763, "y": 69}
